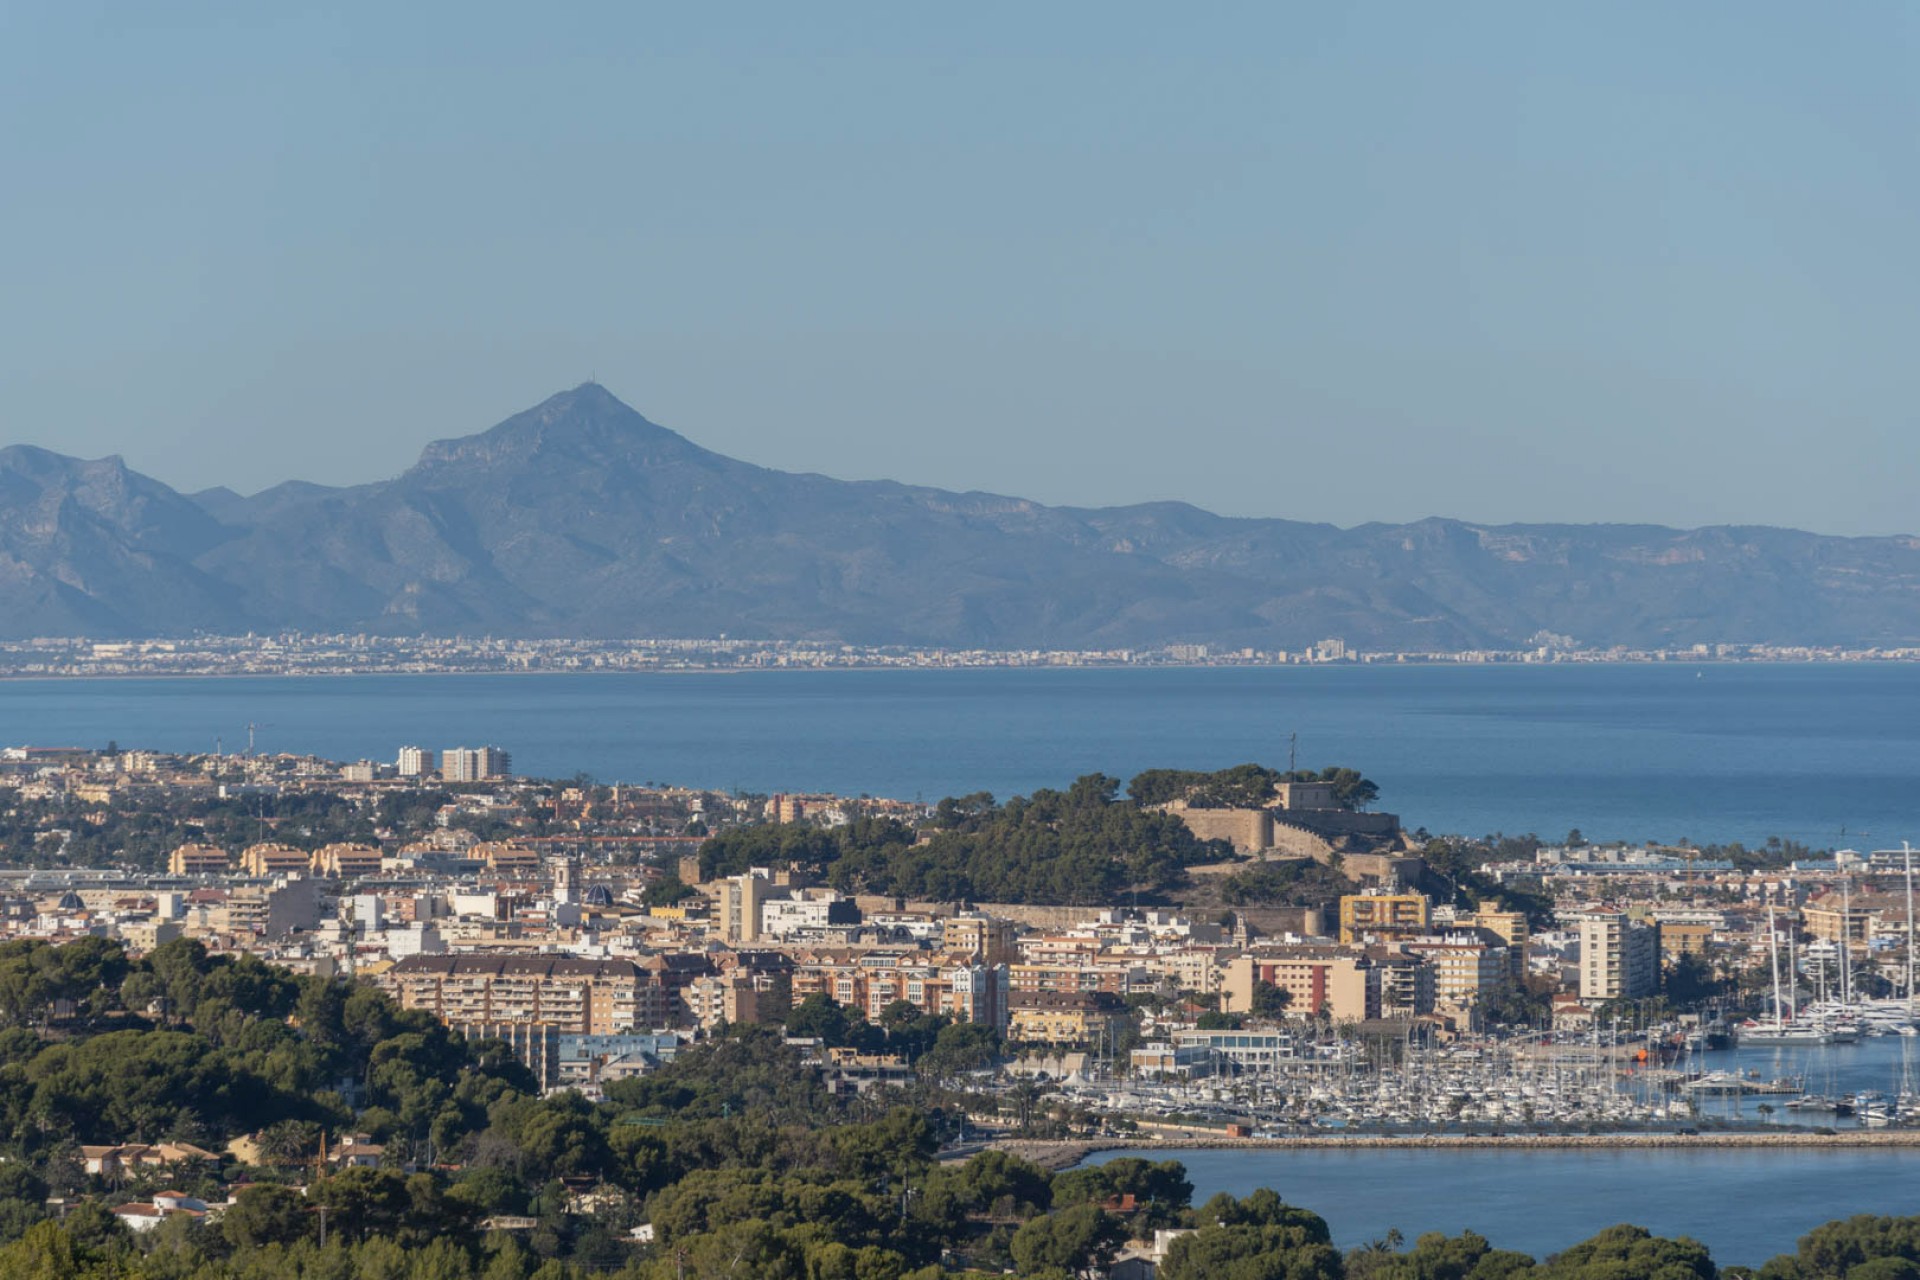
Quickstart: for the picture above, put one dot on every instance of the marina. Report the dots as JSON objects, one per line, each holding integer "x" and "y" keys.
{"x": 1277, "y": 1086}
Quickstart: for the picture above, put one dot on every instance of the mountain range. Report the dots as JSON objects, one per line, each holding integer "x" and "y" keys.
{"x": 580, "y": 518}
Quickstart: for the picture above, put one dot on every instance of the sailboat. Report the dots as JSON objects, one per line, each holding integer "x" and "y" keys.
{"x": 1779, "y": 1030}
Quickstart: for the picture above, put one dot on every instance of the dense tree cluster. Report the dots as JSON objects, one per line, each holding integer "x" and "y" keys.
{"x": 1080, "y": 846}
{"x": 1285, "y": 882}
{"x": 1245, "y": 786}
{"x": 746, "y": 1166}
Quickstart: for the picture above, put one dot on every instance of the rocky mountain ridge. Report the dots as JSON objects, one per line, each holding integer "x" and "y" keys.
{"x": 581, "y": 518}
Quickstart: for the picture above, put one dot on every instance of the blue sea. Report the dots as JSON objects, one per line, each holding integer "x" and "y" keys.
{"x": 1825, "y": 754}
{"x": 1745, "y": 1205}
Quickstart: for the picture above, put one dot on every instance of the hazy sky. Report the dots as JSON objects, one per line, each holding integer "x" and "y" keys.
{"x": 1335, "y": 262}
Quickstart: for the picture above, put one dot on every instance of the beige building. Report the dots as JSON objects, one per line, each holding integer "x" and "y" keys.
{"x": 536, "y": 1044}
{"x": 738, "y": 997}
{"x": 1833, "y": 918}
{"x": 1340, "y": 984}
{"x": 1619, "y": 958}
{"x": 198, "y": 860}
{"x": 474, "y": 764}
{"x": 980, "y": 937}
{"x": 1466, "y": 971}
{"x": 742, "y": 899}
{"x": 503, "y": 858}
{"x": 346, "y": 861}
{"x": 593, "y": 997}
{"x": 269, "y": 859}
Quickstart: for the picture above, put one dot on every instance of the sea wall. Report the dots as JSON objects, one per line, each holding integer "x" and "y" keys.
{"x": 1062, "y": 1155}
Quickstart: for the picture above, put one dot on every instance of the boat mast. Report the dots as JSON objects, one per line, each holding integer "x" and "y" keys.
{"x": 1846, "y": 942}
{"x": 1906, "y": 851}
{"x": 1773, "y": 959}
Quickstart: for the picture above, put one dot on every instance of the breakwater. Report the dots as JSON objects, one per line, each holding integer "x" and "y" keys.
{"x": 1066, "y": 1154}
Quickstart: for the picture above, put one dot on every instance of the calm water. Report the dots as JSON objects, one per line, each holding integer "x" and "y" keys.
{"x": 1744, "y": 1205}
{"x": 1822, "y": 754}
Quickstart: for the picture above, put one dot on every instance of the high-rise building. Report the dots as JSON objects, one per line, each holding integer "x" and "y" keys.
{"x": 474, "y": 764}
{"x": 742, "y": 898}
{"x": 1619, "y": 958}
{"x": 415, "y": 762}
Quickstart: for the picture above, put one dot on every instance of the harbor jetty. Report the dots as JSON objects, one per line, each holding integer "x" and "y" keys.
{"x": 1055, "y": 1155}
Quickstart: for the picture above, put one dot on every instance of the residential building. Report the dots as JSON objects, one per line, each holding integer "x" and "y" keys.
{"x": 474, "y": 764}
{"x": 1381, "y": 915}
{"x": 1319, "y": 981}
{"x": 987, "y": 939}
{"x": 594, "y": 997}
{"x": 1619, "y": 957}
{"x": 1466, "y": 969}
{"x": 1061, "y": 1017}
{"x": 742, "y": 899}
{"x": 269, "y": 859}
{"x": 346, "y": 861}
{"x": 1407, "y": 983}
{"x": 198, "y": 860}
{"x": 787, "y": 917}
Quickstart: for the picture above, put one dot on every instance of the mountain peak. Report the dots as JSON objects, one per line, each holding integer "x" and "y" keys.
{"x": 584, "y": 425}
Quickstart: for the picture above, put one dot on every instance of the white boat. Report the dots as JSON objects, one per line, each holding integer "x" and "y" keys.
{"x": 1786, "y": 1033}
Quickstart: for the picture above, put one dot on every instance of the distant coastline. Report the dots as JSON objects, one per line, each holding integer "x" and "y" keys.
{"x": 359, "y": 655}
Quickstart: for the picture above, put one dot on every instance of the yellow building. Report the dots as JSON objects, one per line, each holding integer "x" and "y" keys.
{"x": 1510, "y": 926}
{"x": 1060, "y": 1017}
{"x": 1381, "y": 913}
{"x": 1683, "y": 938}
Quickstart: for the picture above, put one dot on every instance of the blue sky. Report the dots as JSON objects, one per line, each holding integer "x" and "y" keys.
{"x": 1348, "y": 263}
